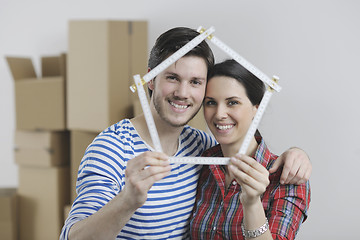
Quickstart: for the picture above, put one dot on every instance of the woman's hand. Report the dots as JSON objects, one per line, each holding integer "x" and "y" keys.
{"x": 252, "y": 177}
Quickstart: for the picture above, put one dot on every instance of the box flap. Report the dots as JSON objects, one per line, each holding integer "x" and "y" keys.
{"x": 53, "y": 66}
{"x": 21, "y": 68}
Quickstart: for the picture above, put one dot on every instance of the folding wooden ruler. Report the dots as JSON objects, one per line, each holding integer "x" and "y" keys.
{"x": 204, "y": 34}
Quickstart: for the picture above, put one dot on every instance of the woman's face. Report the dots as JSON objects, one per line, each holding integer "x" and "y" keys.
{"x": 227, "y": 109}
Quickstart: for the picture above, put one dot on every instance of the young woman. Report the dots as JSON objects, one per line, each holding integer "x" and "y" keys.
{"x": 242, "y": 200}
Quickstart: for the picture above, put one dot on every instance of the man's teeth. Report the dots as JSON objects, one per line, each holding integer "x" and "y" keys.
{"x": 223, "y": 127}
{"x": 178, "y": 106}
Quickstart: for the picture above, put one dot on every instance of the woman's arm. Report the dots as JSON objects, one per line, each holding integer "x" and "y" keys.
{"x": 253, "y": 179}
{"x": 289, "y": 202}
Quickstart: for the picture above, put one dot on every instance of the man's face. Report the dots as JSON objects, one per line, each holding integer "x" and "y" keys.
{"x": 179, "y": 90}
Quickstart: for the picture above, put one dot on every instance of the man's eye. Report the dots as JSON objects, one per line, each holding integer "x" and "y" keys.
{"x": 196, "y": 82}
{"x": 171, "y": 77}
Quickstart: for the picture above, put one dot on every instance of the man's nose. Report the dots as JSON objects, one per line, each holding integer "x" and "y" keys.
{"x": 182, "y": 90}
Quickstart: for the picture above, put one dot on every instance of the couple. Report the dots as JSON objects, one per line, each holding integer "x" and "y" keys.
{"x": 128, "y": 191}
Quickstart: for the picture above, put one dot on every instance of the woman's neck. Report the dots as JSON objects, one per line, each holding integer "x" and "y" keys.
{"x": 230, "y": 150}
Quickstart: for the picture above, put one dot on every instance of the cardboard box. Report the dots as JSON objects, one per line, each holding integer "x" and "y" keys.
{"x": 40, "y": 102}
{"x": 43, "y": 193}
{"x": 8, "y": 214}
{"x": 103, "y": 56}
{"x": 80, "y": 140}
{"x": 42, "y": 148}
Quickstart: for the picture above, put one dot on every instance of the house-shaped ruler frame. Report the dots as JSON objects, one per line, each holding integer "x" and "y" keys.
{"x": 204, "y": 34}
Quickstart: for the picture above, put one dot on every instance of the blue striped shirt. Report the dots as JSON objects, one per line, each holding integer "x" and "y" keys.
{"x": 101, "y": 176}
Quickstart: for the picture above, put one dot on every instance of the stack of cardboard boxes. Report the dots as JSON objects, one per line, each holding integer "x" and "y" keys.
{"x": 58, "y": 115}
{"x": 41, "y": 146}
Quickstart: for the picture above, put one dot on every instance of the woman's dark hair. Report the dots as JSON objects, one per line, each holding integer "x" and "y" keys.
{"x": 254, "y": 87}
{"x": 172, "y": 40}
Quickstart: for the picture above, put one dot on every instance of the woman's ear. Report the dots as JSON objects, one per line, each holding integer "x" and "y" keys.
{"x": 255, "y": 108}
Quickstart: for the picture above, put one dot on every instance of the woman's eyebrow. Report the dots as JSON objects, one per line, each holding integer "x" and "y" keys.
{"x": 231, "y": 98}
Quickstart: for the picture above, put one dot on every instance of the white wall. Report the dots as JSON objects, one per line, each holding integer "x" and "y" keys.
{"x": 312, "y": 45}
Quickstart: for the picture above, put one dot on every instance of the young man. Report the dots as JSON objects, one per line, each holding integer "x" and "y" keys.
{"x": 125, "y": 189}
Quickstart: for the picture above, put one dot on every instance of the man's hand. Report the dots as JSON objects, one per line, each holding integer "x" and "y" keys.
{"x": 297, "y": 167}
{"x": 141, "y": 173}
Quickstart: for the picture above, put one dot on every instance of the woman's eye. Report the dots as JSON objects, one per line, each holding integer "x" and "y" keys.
{"x": 231, "y": 103}
{"x": 210, "y": 103}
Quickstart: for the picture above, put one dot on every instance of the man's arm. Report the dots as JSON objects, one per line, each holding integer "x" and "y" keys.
{"x": 297, "y": 166}
{"x": 140, "y": 174}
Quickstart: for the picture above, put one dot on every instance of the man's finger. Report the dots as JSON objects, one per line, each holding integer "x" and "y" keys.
{"x": 290, "y": 172}
{"x": 278, "y": 162}
{"x": 146, "y": 159}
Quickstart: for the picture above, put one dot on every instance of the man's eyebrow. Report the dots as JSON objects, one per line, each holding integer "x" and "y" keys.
{"x": 170, "y": 73}
{"x": 201, "y": 78}
{"x": 178, "y": 76}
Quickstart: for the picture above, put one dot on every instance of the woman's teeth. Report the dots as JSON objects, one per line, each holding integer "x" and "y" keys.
{"x": 223, "y": 127}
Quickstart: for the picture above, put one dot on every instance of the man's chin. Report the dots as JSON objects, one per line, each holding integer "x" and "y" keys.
{"x": 178, "y": 123}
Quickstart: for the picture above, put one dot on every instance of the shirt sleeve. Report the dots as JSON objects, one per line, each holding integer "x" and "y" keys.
{"x": 288, "y": 210}
{"x": 100, "y": 179}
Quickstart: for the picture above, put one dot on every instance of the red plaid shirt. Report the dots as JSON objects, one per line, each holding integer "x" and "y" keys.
{"x": 218, "y": 211}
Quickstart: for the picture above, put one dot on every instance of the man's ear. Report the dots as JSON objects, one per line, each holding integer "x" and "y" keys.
{"x": 151, "y": 84}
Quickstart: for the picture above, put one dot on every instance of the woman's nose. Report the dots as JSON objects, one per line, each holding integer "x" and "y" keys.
{"x": 221, "y": 112}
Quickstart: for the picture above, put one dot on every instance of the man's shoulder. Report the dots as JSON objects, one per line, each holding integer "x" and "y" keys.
{"x": 195, "y": 132}
{"x": 120, "y": 138}
{"x": 120, "y": 132}
{"x": 197, "y": 135}
{"x": 123, "y": 125}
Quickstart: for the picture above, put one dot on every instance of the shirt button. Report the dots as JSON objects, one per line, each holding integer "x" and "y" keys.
{"x": 214, "y": 228}
{"x": 234, "y": 183}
